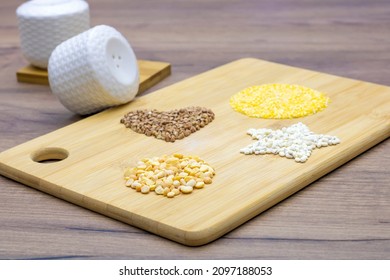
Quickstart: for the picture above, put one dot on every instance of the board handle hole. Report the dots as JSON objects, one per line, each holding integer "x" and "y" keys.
{"x": 49, "y": 155}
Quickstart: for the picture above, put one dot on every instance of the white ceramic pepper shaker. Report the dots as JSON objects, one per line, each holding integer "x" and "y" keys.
{"x": 94, "y": 70}
{"x": 44, "y": 24}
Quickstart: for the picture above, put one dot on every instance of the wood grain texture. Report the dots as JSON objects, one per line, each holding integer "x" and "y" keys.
{"x": 344, "y": 215}
{"x": 150, "y": 73}
{"x": 94, "y": 152}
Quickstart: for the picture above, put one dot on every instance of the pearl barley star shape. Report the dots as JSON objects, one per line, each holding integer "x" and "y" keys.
{"x": 295, "y": 141}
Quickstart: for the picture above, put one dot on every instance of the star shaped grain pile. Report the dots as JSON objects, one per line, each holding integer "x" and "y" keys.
{"x": 295, "y": 141}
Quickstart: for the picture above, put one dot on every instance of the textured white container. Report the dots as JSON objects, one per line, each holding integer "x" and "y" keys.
{"x": 94, "y": 70}
{"x": 44, "y": 24}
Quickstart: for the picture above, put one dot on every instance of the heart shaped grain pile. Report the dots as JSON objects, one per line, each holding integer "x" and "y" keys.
{"x": 168, "y": 125}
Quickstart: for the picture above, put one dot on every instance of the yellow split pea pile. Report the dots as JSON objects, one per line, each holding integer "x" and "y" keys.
{"x": 169, "y": 175}
{"x": 279, "y": 101}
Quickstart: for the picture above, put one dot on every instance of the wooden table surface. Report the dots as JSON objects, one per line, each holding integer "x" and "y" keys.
{"x": 344, "y": 215}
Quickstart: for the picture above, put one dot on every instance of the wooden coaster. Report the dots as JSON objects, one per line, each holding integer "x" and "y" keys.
{"x": 151, "y": 73}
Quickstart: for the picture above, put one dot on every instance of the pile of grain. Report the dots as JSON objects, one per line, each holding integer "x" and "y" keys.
{"x": 168, "y": 125}
{"x": 279, "y": 101}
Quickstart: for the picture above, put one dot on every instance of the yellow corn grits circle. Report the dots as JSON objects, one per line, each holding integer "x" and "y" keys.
{"x": 279, "y": 101}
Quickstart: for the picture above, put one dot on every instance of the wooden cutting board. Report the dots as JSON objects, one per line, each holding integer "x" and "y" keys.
{"x": 99, "y": 148}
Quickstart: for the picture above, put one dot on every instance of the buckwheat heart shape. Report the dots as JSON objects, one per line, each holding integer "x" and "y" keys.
{"x": 168, "y": 125}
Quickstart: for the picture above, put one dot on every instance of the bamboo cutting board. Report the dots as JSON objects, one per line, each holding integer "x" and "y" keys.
{"x": 96, "y": 150}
